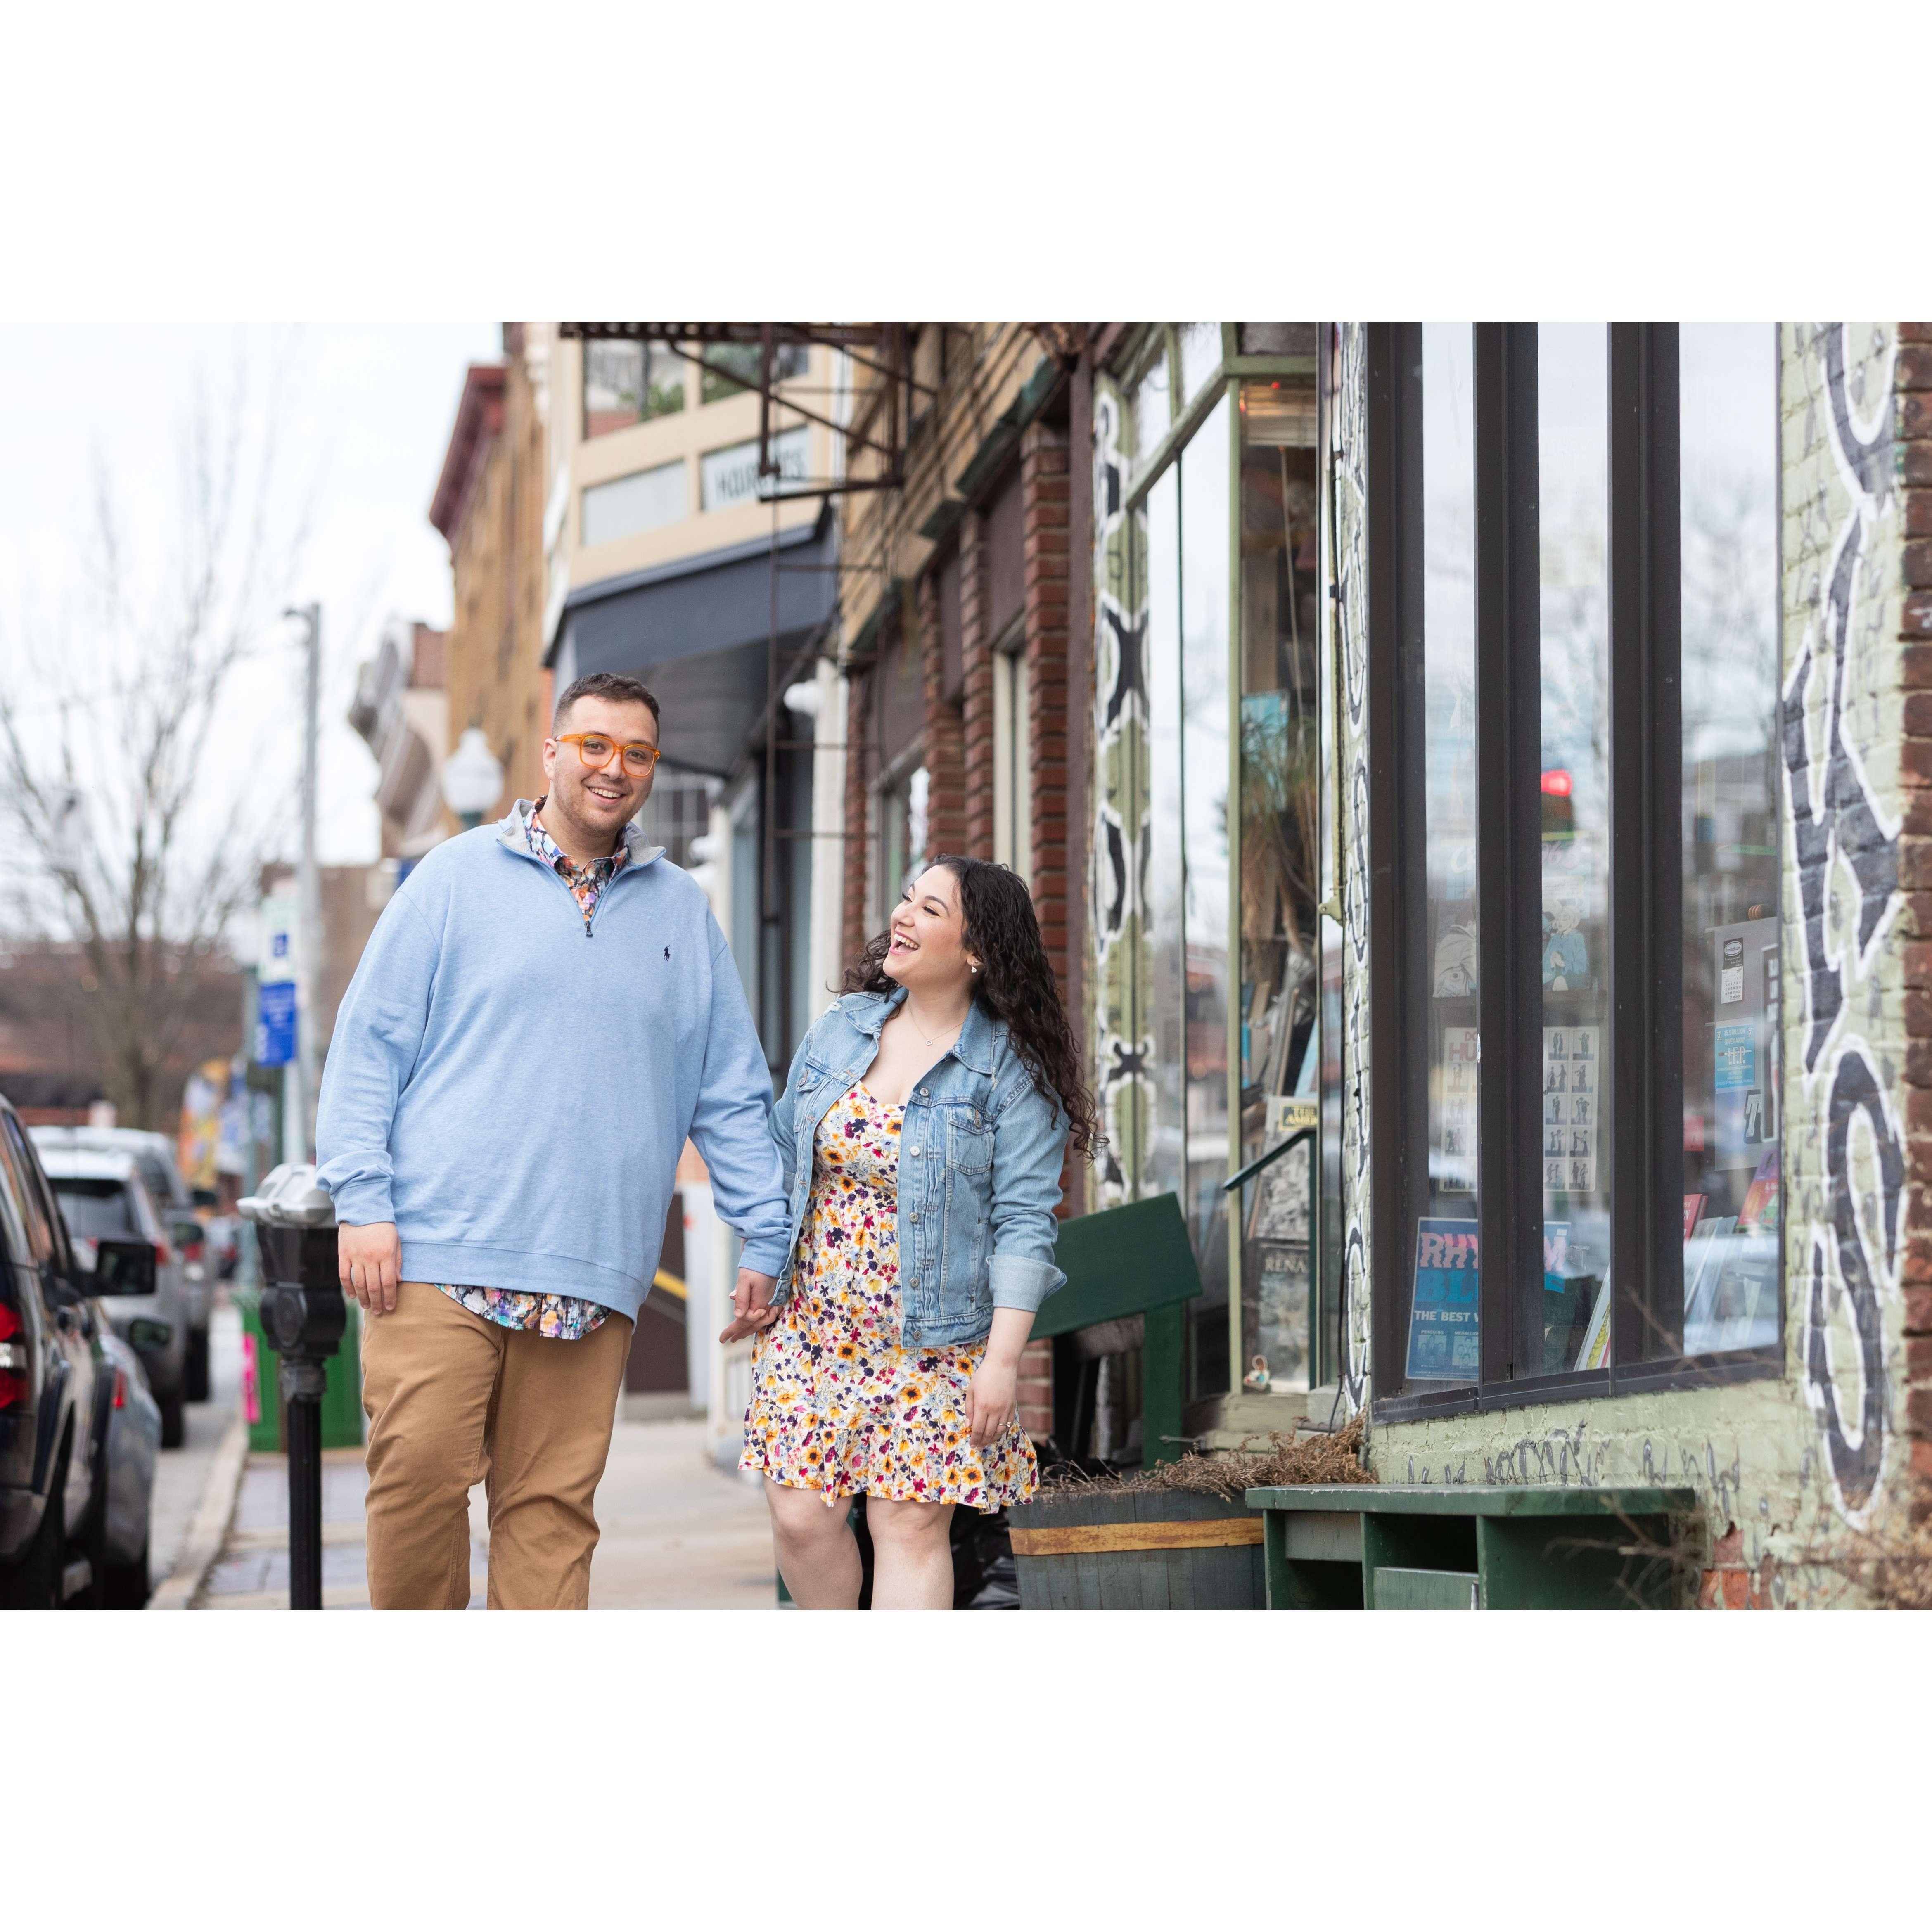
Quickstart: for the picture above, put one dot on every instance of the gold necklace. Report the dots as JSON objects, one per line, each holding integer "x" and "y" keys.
{"x": 932, "y": 1039}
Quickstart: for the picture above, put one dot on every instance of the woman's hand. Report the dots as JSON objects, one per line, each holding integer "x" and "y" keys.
{"x": 993, "y": 1398}
{"x": 750, "y": 1305}
{"x": 993, "y": 1395}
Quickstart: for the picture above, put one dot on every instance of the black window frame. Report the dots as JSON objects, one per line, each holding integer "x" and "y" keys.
{"x": 1646, "y": 1139}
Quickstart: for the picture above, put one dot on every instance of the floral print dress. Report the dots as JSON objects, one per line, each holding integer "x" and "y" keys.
{"x": 838, "y": 1405}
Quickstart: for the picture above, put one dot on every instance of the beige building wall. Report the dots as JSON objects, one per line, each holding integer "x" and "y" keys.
{"x": 579, "y": 462}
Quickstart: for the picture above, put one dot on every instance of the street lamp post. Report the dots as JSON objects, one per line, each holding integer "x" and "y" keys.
{"x": 308, "y": 898}
{"x": 472, "y": 778}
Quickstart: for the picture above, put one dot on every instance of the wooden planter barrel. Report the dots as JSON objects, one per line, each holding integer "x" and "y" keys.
{"x": 1128, "y": 1549}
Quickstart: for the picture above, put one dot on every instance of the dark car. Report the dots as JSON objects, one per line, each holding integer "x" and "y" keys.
{"x": 57, "y": 1390}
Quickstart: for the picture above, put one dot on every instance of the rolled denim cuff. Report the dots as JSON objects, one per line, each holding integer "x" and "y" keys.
{"x": 765, "y": 1255}
{"x": 1019, "y": 1282}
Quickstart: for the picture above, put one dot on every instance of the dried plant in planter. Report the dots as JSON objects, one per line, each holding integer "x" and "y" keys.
{"x": 1230, "y": 1473}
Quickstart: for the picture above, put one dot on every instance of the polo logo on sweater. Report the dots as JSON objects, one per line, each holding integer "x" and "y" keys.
{"x": 667, "y": 952}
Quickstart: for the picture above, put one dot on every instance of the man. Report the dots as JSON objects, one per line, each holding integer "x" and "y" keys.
{"x": 545, "y": 1012}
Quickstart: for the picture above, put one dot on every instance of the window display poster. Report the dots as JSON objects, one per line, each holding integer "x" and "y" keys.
{"x": 1572, "y": 1095}
{"x": 1456, "y": 1172}
{"x": 1442, "y": 1332}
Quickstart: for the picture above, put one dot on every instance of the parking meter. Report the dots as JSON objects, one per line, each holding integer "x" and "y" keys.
{"x": 303, "y": 1317}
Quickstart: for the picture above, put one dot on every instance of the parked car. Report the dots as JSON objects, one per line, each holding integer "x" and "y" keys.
{"x": 102, "y": 1195}
{"x": 130, "y": 1431}
{"x": 70, "y": 1481}
{"x": 186, "y": 1232}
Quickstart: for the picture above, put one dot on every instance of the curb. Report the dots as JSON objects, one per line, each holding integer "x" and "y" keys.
{"x": 209, "y": 1529}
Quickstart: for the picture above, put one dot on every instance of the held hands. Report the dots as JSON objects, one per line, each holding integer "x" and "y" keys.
{"x": 370, "y": 1262}
{"x": 750, "y": 1305}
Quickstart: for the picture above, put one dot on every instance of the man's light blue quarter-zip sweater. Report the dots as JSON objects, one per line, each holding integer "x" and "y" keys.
{"x": 514, "y": 1092}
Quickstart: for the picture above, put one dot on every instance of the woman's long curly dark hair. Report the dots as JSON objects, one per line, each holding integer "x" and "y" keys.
{"x": 1016, "y": 984}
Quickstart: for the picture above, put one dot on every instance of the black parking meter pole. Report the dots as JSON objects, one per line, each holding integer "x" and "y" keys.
{"x": 303, "y": 1317}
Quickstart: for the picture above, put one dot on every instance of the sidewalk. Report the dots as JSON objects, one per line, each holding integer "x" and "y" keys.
{"x": 677, "y": 1533}
{"x": 180, "y": 1475}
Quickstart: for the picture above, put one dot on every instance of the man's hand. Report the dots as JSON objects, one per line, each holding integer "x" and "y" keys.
{"x": 371, "y": 1261}
{"x": 750, "y": 1305}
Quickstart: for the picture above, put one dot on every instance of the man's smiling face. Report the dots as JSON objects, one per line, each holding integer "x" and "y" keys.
{"x": 602, "y": 799}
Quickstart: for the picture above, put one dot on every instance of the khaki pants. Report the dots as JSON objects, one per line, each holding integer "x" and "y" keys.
{"x": 453, "y": 1400}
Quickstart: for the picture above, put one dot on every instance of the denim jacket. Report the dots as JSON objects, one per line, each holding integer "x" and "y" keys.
{"x": 980, "y": 1162}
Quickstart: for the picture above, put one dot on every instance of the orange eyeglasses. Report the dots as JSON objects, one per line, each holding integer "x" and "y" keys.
{"x": 596, "y": 751}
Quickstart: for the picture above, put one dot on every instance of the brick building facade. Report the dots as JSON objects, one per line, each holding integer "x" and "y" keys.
{"x": 960, "y": 593}
{"x": 489, "y": 508}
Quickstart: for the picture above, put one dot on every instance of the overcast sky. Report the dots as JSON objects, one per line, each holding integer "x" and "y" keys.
{"x": 370, "y": 414}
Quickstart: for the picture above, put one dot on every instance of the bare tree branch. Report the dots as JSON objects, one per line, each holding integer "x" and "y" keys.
{"x": 147, "y": 837}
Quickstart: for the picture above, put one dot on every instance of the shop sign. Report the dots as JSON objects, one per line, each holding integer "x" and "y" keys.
{"x": 1442, "y": 1330}
{"x": 726, "y": 476}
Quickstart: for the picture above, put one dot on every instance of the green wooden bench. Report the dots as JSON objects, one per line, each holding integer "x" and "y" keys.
{"x": 1124, "y": 1261}
{"x": 1443, "y": 1546}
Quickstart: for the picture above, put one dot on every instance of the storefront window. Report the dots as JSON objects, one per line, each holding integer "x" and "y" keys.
{"x": 1181, "y": 541}
{"x": 902, "y": 836}
{"x": 1205, "y": 479}
{"x": 731, "y": 367}
{"x": 1280, "y": 835}
{"x": 1165, "y": 1167}
{"x": 1149, "y": 402}
{"x": 1438, "y": 1341}
{"x": 1727, "y": 387}
{"x": 1012, "y": 782}
{"x": 627, "y": 382}
{"x": 1573, "y": 556}
{"x": 1565, "y": 1317}
{"x": 1200, "y": 344}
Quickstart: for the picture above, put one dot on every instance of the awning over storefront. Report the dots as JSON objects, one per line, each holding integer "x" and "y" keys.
{"x": 697, "y": 630}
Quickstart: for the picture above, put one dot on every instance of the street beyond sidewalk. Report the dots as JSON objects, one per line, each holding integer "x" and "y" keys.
{"x": 677, "y": 1532}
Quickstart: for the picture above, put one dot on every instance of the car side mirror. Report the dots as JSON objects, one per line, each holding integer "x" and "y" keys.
{"x": 122, "y": 1267}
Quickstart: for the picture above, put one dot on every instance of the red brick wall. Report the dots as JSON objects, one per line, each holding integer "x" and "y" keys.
{"x": 945, "y": 734}
{"x": 1913, "y": 383}
{"x": 858, "y": 700}
{"x": 1036, "y": 1390}
{"x": 975, "y": 656}
{"x": 1043, "y": 471}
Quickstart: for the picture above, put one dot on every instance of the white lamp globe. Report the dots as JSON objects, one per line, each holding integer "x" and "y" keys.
{"x": 472, "y": 777}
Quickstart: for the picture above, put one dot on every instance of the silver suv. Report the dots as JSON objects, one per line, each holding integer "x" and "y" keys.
{"x": 101, "y": 1194}
{"x": 160, "y": 1174}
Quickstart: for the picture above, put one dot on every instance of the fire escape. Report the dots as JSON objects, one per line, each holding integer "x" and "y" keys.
{"x": 768, "y": 359}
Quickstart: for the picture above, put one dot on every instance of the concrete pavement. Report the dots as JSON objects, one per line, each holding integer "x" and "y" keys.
{"x": 677, "y": 1532}
{"x": 181, "y": 1475}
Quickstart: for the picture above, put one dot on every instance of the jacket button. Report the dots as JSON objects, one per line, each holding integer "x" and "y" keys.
{"x": 925, "y": 1093}
{"x": 912, "y": 1150}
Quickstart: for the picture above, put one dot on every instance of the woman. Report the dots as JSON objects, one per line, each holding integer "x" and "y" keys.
{"x": 921, "y": 1131}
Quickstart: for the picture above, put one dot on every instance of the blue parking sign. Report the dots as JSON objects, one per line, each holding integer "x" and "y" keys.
{"x": 275, "y": 1024}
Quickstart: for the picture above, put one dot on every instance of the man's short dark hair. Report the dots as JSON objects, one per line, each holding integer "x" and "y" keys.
{"x": 609, "y": 684}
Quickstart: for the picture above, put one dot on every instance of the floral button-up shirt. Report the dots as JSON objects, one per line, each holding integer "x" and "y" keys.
{"x": 563, "y": 1318}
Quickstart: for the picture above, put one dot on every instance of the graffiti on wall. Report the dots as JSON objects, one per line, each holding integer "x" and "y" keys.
{"x": 1848, "y": 1164}
{"x": 1123, "y": 1047}
{"x": 1346, "y": 609}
